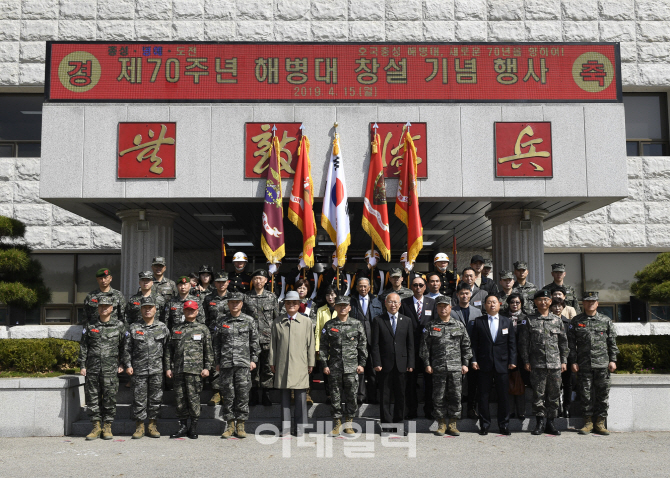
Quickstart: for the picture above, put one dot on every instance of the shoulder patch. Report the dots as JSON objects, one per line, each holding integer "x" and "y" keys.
{"x": 83, "y": 331}
{"x": 570, "y": 326}
{"x": 523, "y": 322}
{"x": 127, "y": 333}
{"x": 323, "y": 331}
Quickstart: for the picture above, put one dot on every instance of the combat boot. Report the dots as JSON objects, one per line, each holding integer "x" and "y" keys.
{"x": 550, "y": 428}
{"x": 193, "y": 429}
{"x": 215, "y": 400}
{"x": 441, "y": 427}
{"x": 139, "y": 430}
{"x": 588, "y": 426}
{"x": 348, "y": 428}
{"x": 337, "y": 425}
{"x": 451, "y": 428}
{"x": 153, "y": 429}
{"x": 230, "y": 429}
{"x": 539, "y": 426}
{"x": 95, "y": 433}
{"x": 107, "y": 431}
{"x": 599, "y": 427}
{"x": 240, "y": 429}
{"x": 183, "y": 430}
{"x": 265, "y": 398}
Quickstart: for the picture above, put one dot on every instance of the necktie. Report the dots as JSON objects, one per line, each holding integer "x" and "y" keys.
{"x": 393, "y": 323}
{"x": 364, "y": 304}
{"x": 494, "y": 328}
{"x": 418, "y": 308}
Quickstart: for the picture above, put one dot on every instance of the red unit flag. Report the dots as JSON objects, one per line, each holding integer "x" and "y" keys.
{"x": 301, "y": 205}
{"x": 375, "y": 212}
{"x": 407, "y": 201}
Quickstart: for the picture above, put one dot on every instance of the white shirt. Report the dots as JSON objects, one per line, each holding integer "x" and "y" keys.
{"x": 493, "y": 326}
{"x": 416, "y": 301}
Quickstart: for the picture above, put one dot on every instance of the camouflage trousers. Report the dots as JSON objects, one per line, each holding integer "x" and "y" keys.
{"x": 188, "y": 387}
{"x": 343, "y": 386}
{"x": 100, "y": 391}
{"x": 147, "y": 396}
{"x": 262, "y": 376}
{"x": 546, "y": 385}
{"x": 235, "y": 386}
{"x": 593, "y": 388}
{"x": 447, "y": 389}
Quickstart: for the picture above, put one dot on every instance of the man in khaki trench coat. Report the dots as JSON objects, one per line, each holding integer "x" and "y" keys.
{"x": 292, "y": 360}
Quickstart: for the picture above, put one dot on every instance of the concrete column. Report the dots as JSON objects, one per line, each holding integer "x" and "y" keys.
{"x": 138, "y": 247}
{"x": 511, "y": 244}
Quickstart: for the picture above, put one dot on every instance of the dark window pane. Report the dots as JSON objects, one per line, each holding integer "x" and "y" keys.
{"x": 33, "y": 316}
{"x": 608, "y": 310}
{"x": 21, "y": 116}
{"x": 30, "y": 150}
{"x": 6, "y": 151}
{"x": 58, "y": 274}
{"x": 632, "y": 148}
{"x": 623, "y": 312}
{"x": 58, "y": 316}
{"x": 3, "y": 317}
{"x": 660, "y": 313}
{"x": 654, "y": 149}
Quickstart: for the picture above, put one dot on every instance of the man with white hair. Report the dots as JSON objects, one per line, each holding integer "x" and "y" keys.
{"x": 240, "y": 280}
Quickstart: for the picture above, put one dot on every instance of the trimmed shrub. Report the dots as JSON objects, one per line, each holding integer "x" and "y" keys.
{"x": 643, "y": 353}
{"x": 38, "y": 355}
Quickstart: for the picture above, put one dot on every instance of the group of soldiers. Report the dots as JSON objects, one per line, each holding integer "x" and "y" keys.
{"x": 218, "y": 328}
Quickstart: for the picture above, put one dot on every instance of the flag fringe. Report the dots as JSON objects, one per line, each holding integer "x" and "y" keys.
{"x": 296, "y": 219}
{"x": 401, "y": 214}
{"x": 332, "y": 233}
{"x": 372, "y": 232}
{"x": 413, "y": 251}
{"x": 272, "y": 256}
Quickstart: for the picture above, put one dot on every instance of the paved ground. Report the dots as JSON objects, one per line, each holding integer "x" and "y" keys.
{"x": 621, "y": 454}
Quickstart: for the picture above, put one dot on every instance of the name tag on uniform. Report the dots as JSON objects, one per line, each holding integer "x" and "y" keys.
{"x": 197, "y": 337}
{"x": 505, "y": 331}
{"x": 428, "y": 312}
{"x": 478, "y": 303}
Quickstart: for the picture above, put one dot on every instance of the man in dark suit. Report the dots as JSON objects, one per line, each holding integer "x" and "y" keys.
{"x": 493, "y": 354}
{"x": 420, "y": 309}
{"x": 392, "y": 358}
{"x": 365, "y": 308}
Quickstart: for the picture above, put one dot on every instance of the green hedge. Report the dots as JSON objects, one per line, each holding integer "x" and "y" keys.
{"x": 38, "y": 355}
{"x": 643, "y": 353}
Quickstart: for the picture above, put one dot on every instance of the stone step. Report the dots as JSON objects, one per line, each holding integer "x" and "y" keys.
{"x": 208, "y": 426}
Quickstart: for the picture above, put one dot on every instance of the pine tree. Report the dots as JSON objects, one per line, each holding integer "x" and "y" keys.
{"x": 653, "y": 282}
{"x": 21, "y": 283}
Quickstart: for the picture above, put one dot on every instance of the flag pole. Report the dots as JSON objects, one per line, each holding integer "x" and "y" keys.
{"x": 335, "y": 125}
{"x": 372, "y": 271}
{"x": 274, "y": 129}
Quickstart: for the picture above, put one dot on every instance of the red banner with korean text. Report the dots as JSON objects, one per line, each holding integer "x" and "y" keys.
{"x": 332, "y": 72}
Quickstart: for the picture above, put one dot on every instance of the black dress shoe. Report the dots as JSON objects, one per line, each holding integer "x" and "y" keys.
{"x": 505, "y": 431}
{"x": 566, "y": 411}
{"x": 484, "y": 431}
{"x": 550, "y": 428}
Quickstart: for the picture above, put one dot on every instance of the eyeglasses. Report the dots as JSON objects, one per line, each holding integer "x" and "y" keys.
{"x": 517, "y": 302}
{"x": 420, "y": 286}
{"x": 392, "y": 301}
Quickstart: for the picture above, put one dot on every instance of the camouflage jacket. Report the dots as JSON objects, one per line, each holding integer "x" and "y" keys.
{"x": 527, "y": 291}
{"x": 235, "y": 341}
{"x": 165, "y": 287}
{"x": 190, "y": 349}
{"x": 445, "y": 346}
{"x": 343, "y": 346}
{"x": 570, "y": 296}
{"x": 504, "y": 306}
{"x": 403, "y": 292}
{"x": 91, "y": 305}
{"x": 215, "y": 308}
{"x": 134, "y": 309}
{"x": 202, "y": 294}
{"x": 542, "y": 341}
{"x": 239, "y": 282}
{"x": 264, "y": 309}
{"x": 146, "y": 347}
{"x": 174, "y": 311}
{"x": 592, "y": 341}
{"x": 101, "y": 346}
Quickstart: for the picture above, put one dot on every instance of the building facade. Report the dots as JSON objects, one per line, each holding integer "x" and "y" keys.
{"x": 604, "y": 213}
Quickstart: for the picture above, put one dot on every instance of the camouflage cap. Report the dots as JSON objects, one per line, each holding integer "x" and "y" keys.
{"x": 221, "y": 276}
{"x": 521, "y": 265}
{"x": 183, "y": 280}
{"x": 342, "y": 300}
{"x": 205, "y": 269}
{"x": 235, "y": 296}
{"x": 104, "y": 272}
{"x": 505, "y": 274}
{"x": 542, "y": 293}
{"x": 158, "y": 261}
{"x": 261, "y": 273}
{"x": 146, "y": 275}
{"x": 443, "y": 299}
{"x": 558, "y": 267}
{"x": 488, "y": 264}
{"x": 590, "y": 295}
{"x": 191, "y": 304}
{"x": 395, "y": 272}
{"x": 105, "y": 300}
{"x": 148, "y": 301}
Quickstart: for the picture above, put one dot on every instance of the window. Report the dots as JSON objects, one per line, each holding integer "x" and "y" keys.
{"x": 646, "y": 124}
{"x": 20, "y": 125}
{"x": 573, "y": 270}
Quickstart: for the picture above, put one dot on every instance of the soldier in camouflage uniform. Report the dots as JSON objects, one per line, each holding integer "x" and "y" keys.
{"x": 144, "y": 355}
{"x": 162, "y": 285}
{"x": 395, "y": 278}
{"x": 189, "y": 357}
{"x": 174, "y": 309}
{"x": 100, "y": 351}
{"x": 134, "y": 306}
{"x": 593, "y": 351}
{"x": 505, "y": 289}
{"x": 543, "y": 348}
{"x": 445, "y": 349}
{"x": 216, "y": 308}
{"x": 205, "y": 287}
{"x": 558, "y": 272}
{"x": 236, "y": 348}
{"x": 262, "y": 306}
{"x": 240, "y": 280}
{"x": 525, "y": 288}
{"x": 104, "y": 278}
{"x": 343, "y": 352}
